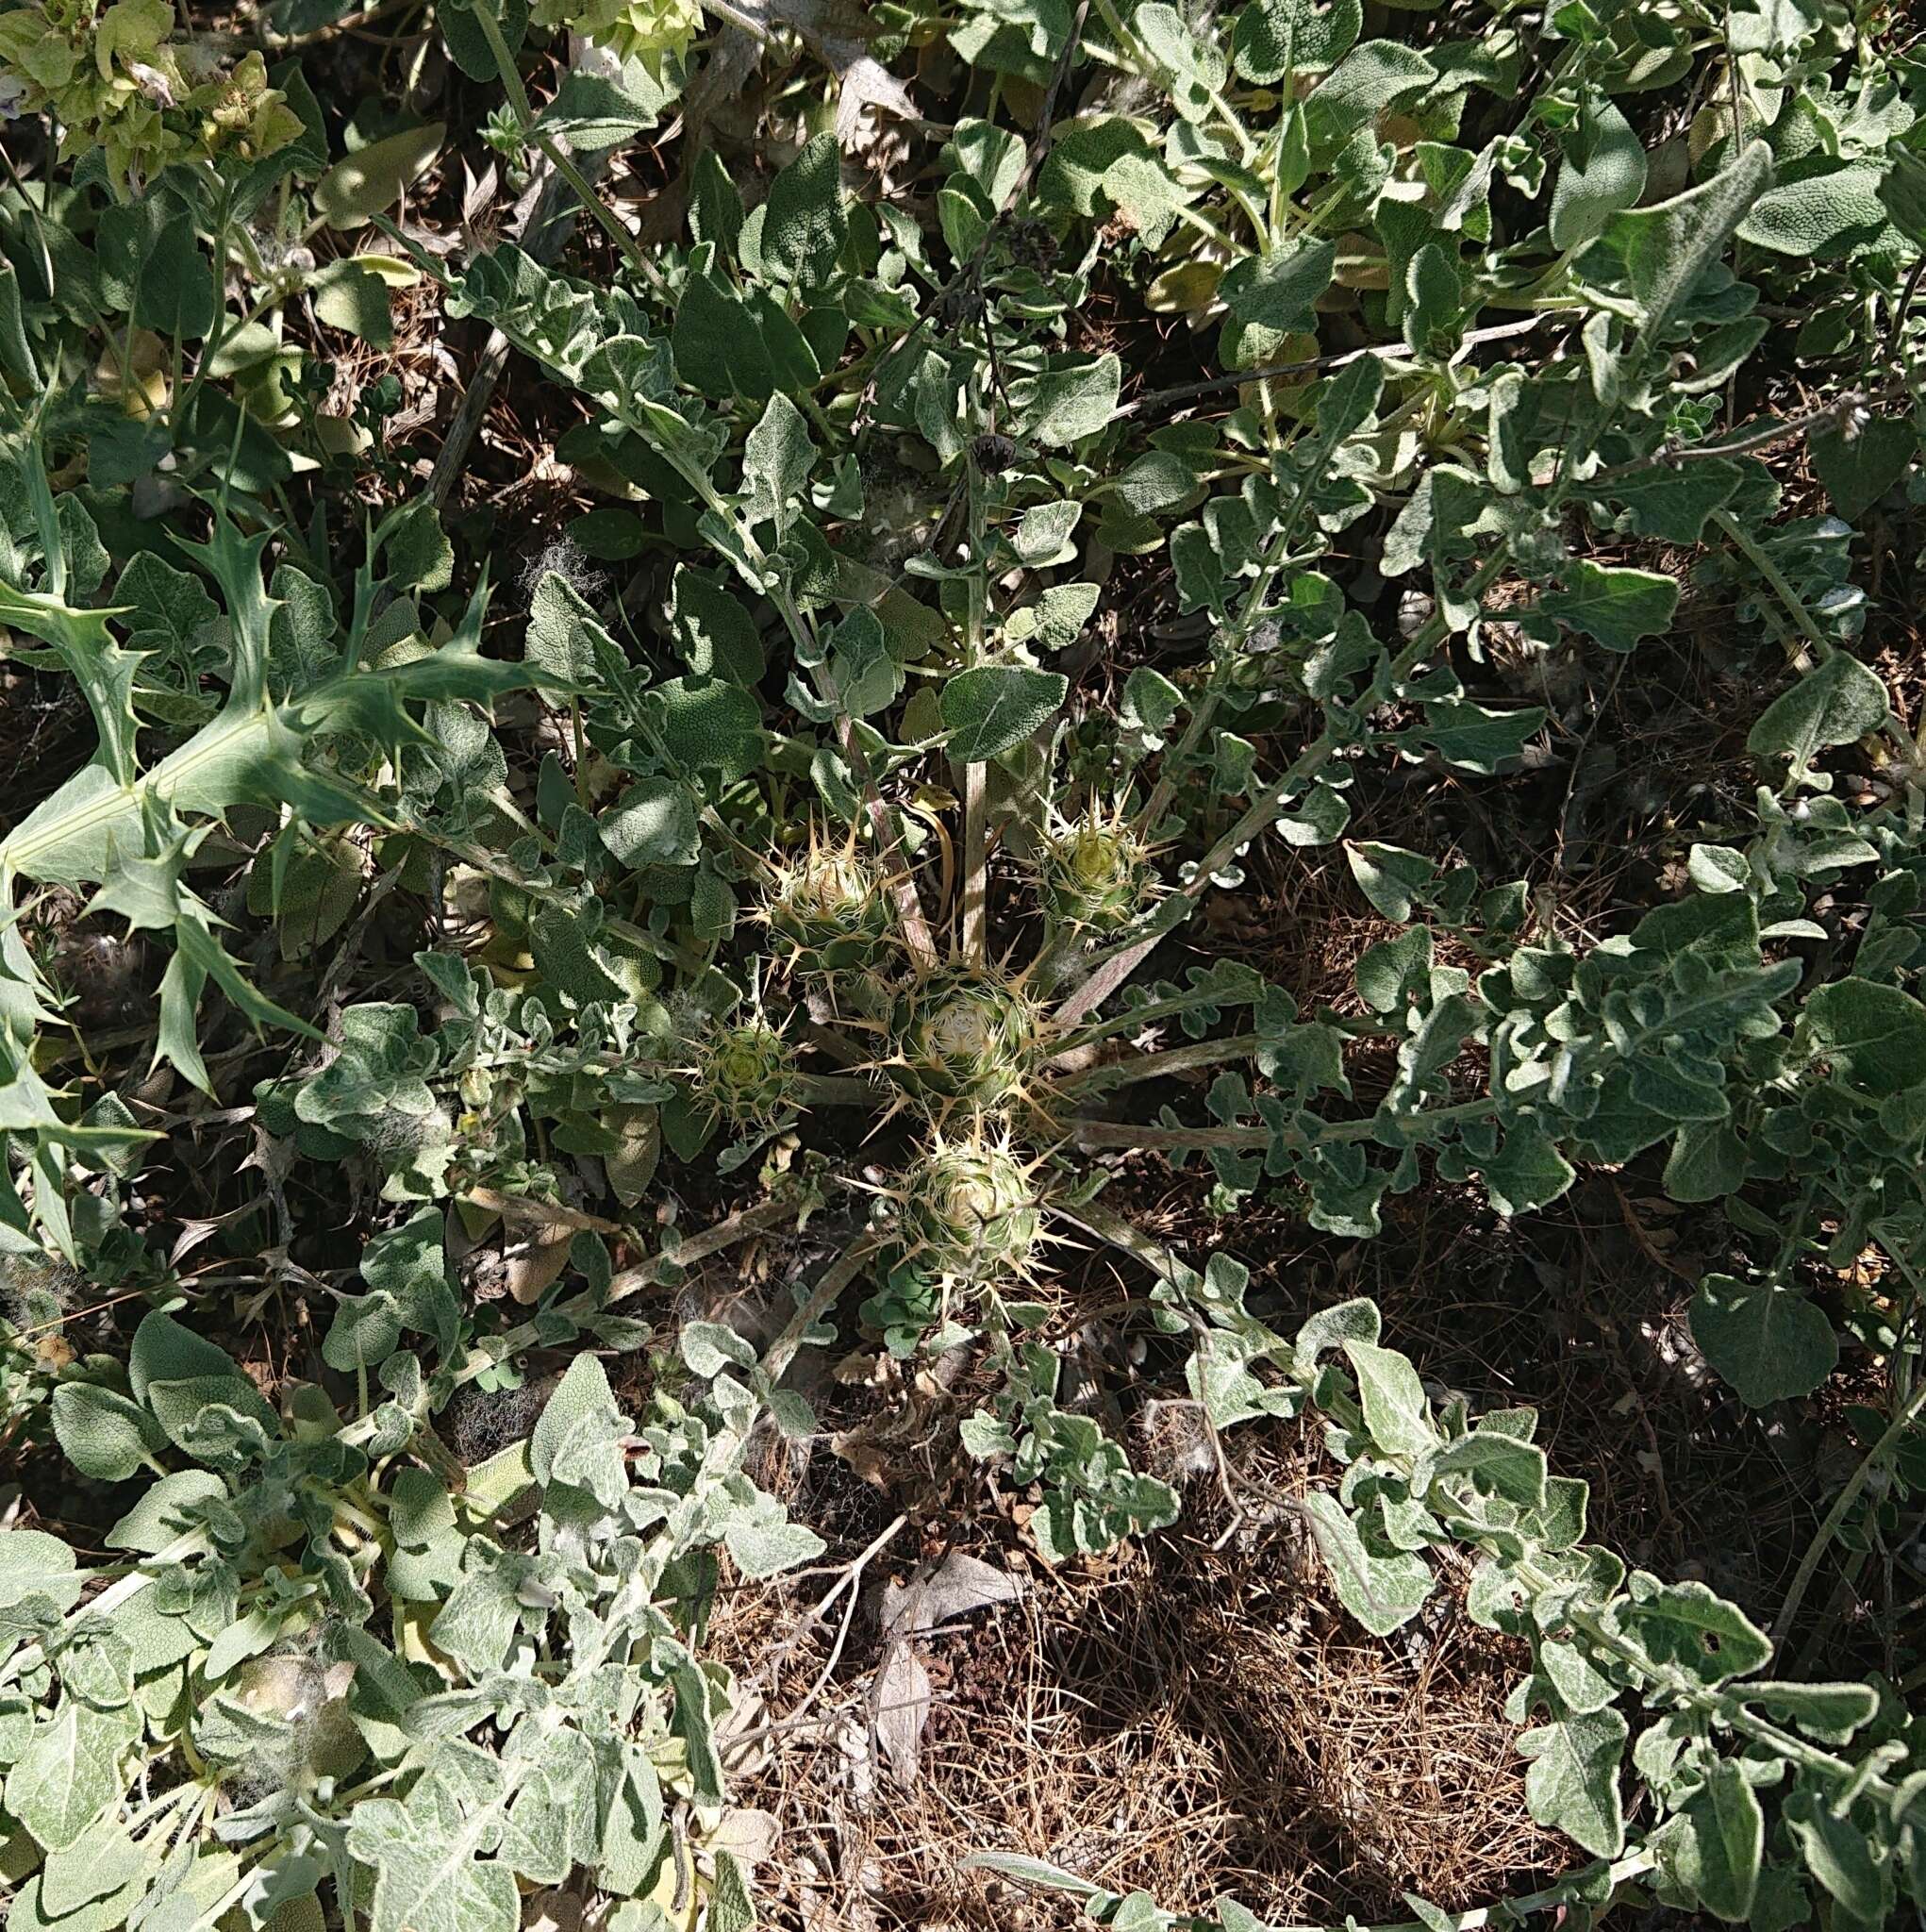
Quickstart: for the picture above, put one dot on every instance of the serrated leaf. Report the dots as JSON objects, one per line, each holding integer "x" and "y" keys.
{"x": 1573, "y": 1785}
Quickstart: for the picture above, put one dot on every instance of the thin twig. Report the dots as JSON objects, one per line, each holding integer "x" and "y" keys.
{"x": 1765, "y": 436}
{"x": 1829, "y": 1527}
{"x": 1310, "y": 365}
{"x": 836, "y": 1277}
{"x": 848, "y": 1580}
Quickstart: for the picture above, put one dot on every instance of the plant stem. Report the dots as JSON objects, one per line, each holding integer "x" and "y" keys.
{"x": 822, "y": 1297}
{"x": 558, "y": 156}
{"x": 974, "y": 931}
{"x": 1761, "y": 561}
{"x": 1156, "y": 1066}
{"x": 1842, "y": 1504}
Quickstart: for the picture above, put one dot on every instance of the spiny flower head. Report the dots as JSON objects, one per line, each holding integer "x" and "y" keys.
{"x": 966, "y": 1035}
{"x": 969, "y": 1211}
{"x": 747, "y": 1071}
{"x": 829, "y": 902}
{"x": 1096, "y": 872}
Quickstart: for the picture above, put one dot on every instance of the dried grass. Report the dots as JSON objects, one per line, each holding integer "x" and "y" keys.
{"x": 1190, "y": 1721}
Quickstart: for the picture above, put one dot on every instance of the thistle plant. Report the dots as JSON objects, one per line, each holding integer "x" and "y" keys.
{"x": 968, "y": 1211}
{"x": 964, "y": 1035}
{"x": 827, "y": 903}
{"x": 829, "y": 870}
{"x": 746, "y": 1070}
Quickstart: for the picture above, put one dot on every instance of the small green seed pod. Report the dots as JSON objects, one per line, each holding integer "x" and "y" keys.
{"x": 969, "y": 1211}
{"x": 966, "y": 1037}
{"x": 747, "y": 1072}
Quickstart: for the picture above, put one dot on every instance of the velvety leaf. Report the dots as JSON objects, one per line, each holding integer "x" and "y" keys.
{"x": 1618, "y": 607}
{"x": 1396, "y": 1409}
{"x": 1383, "y": 1592}
{"x": 1603, "y": 171}
{"x": 369, "y": 181}
{"x": 1839, "y": 1855}
{"x": 1872, "y": 1036}
{"x": 767, "y": 1549}
{"x": 102, "y": 1434}
{"x": 654, "y": 822}
{"x": 1724, "y": 1843}
{"x": 994, "y": 706}
{"x": 1276, "y": 37}
{"x": 1528, "y": 1171}
{"x": 1767, "y": 1343}
{"x": 1822, "y": 206}
{"x": 1573, "y": 1785}
{"x": 427, "y": 1877}
{"x": 1689, "y": 1628}
{"x": 68, "y": 1775}
{"x": 1859, "y": 467}
{"x": 804, "y": 228}
{"x": 1070, "y": 401}
{"x": 1839, "y": 702}
{"x": 579, "y": 1438}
